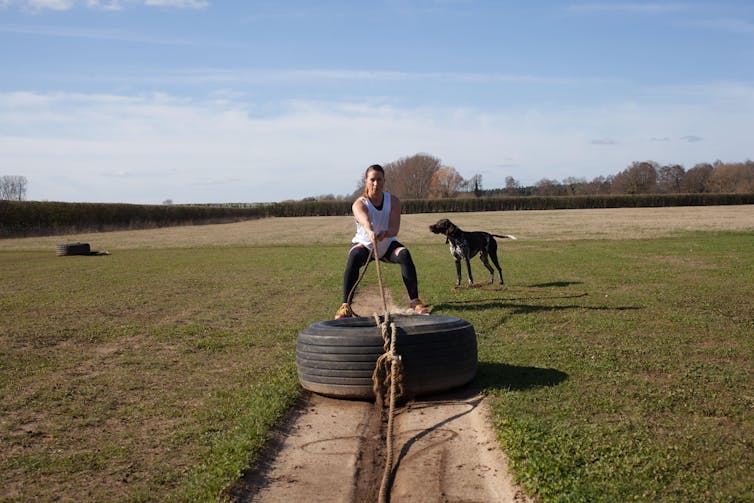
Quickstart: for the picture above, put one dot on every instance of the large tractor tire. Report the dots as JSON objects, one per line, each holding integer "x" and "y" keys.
{"x": 336, "y": 358}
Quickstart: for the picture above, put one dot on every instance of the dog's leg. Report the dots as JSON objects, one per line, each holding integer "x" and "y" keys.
{"x": 458, "y": 272}
{"x": 483, "y": 256}
{"x": 493, "y": 256}
{"x": 468, "y": 269}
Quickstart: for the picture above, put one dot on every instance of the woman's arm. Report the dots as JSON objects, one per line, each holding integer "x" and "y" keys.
{"x": 360, "y": 213}
{"x": 395, "y": 218}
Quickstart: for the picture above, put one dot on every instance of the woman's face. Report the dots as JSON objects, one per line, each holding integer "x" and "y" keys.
{"x": 375, "y": 182}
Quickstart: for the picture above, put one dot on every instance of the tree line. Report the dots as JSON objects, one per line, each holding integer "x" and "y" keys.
{"x": 648, "y": 177}
{"x": 423, "y": 176}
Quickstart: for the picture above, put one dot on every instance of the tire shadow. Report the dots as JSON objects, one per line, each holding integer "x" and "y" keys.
{"x": 500, "y": 376}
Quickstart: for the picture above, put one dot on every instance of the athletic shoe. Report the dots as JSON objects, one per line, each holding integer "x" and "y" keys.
{"x": 417, "y": 306}
{"x": 344, "y": 312}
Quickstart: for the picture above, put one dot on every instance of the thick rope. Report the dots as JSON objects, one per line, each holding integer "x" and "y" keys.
{"x": 379, "y": 278}
{"x": 392, "y": 378}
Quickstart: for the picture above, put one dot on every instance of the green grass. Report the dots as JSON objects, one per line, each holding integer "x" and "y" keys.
{"x": 621, "y": 370}
{"x": 617, "y": 370}
{"x": 148, "y": 374}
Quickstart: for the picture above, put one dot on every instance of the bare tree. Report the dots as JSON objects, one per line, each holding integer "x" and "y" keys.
{"x": 695, "y": 179}
{"x": 575, "y": 186}
{"x": 639, "y": 178}
{"x": 446, "y": 182}
{"x": 547, "y": 187}
{"x": 511, "y": 186}
{"x": 600, "y": 185}
{"x": 411, "y": 177}
{"x": 669, "y": 178}
{"x": 13, "y": 188}
{"x": 474, "y": 185}
{"x": 736, "y": 177}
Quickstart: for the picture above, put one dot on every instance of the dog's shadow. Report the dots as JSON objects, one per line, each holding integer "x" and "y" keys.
{"x": 560, "y": 284}
{"x": 517, "y": 299}
{"x": 486, "y": 285}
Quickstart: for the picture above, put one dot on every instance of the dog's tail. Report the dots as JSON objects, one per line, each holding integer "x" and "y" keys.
{"x": 505, "y": 236}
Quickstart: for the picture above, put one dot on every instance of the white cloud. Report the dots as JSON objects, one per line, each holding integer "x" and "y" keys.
{"x": 63, "y": 5}
{"x": 181, "y": 4}
{"x": 691, "y": 138}
{"x": 728, "y": 25}
{"x": 95, "y": 34}
{"x": 147, "y": 148}
{"x": 36, "y": 5}
{"x": 108, "y": 5}
{"x": 630, "y": 7}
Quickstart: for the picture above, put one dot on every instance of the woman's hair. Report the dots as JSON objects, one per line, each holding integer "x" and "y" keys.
{"x": 373, "y": 167}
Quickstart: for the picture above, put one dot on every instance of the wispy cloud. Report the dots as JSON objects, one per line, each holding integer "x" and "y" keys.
{"x": 37, "y": 5}
{"x": 604, "y": 141}
{"x": 692, "y": 139}
{"x": 632, "y": 7}
{"x": 293, "y": 75}
{"x": 151, "y": 147}
{"x": 64, "y": 5}
{"x": 92, "y": 33}
{"x": 727, "y": 25}
{"x": 181, "y": 4}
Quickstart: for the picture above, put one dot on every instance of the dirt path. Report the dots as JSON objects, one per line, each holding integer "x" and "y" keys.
{"x": 334, "y": 451}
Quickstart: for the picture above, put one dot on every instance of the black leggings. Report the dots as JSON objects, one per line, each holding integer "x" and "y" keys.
{"x": 358, "y": 257}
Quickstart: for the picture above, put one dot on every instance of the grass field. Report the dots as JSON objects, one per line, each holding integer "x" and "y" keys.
{"x": 618, "y": 361}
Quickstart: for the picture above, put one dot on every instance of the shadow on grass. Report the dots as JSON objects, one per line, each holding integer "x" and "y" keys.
{"x": 500, "y": 376}
{"x": 518, "y": 308}
{"x": 516, "y": 299}
{"x": 560, "y": 284}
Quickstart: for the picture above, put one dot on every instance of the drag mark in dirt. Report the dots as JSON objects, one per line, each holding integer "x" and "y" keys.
{"x": 331, "y": 450}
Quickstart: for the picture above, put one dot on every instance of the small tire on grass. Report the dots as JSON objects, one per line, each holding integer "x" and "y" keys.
{"x": 336, "y": 358}
{"x": 72, "y": 249}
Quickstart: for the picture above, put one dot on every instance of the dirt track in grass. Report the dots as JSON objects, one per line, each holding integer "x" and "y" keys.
{"x": 333, "y": 450}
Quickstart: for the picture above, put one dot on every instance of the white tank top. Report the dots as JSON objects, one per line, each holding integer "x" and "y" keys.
{"x": 380, "y": 220}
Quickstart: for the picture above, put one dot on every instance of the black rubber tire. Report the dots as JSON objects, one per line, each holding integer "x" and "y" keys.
{"x": 72, "y": 249}
{"x": 337, "y": 357}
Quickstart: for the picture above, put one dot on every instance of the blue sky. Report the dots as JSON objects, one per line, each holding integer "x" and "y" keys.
{"x": 197, "y": 101}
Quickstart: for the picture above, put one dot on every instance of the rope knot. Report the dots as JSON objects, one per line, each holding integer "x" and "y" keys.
{"x": 389, "y": 366}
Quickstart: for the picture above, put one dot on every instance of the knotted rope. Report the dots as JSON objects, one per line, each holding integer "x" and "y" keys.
{"x": 388, "y": 374}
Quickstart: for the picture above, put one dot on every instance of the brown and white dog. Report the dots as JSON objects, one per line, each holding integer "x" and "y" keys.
{"x": 465, "y": 245}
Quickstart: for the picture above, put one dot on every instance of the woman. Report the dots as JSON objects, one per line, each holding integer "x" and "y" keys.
{"x": 378, "y": 219}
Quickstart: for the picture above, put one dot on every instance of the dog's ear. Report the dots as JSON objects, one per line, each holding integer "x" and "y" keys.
{"x": 450, "y": 229}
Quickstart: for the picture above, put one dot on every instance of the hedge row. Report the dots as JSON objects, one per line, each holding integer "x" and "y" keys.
{"x": 512, "y": 203}
{"x": 33, "y": 218}
{"x": 573, "y": 202}
{"x": 30, "y": 218}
